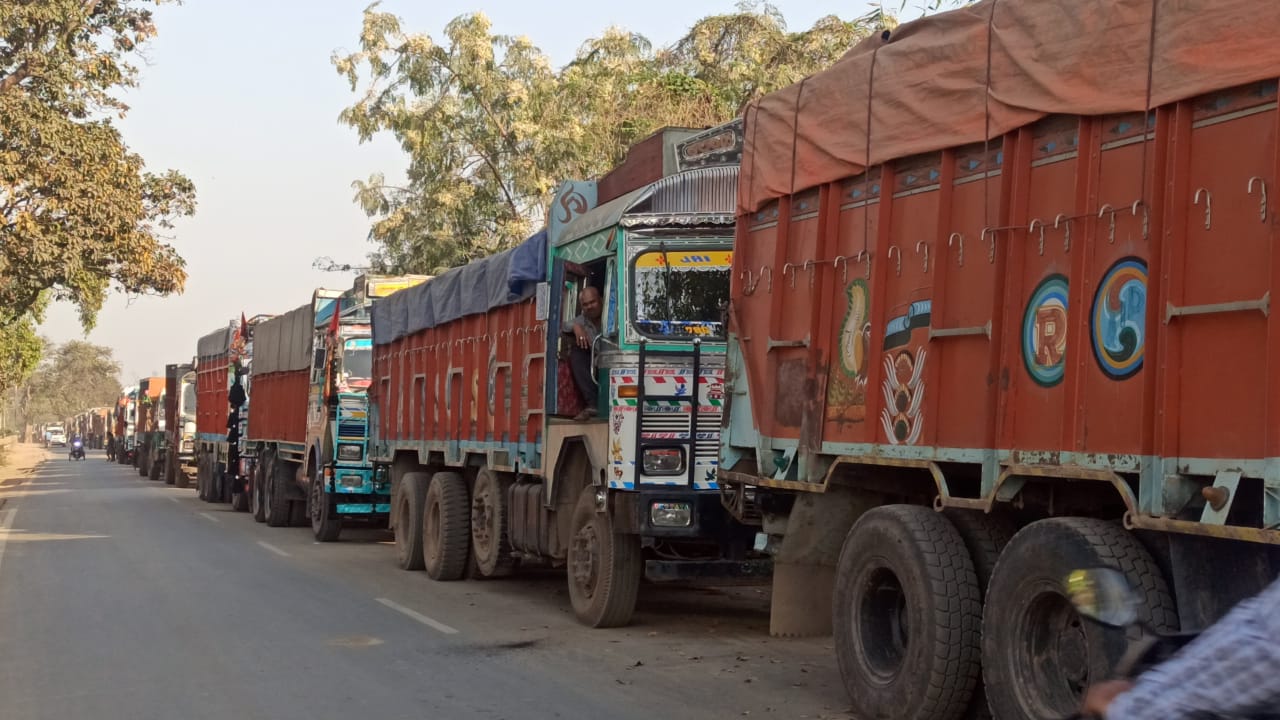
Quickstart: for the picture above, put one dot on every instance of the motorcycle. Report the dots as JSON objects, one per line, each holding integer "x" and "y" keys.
{"x": 1103, "y": 595}
{"x": 77, "y": 451}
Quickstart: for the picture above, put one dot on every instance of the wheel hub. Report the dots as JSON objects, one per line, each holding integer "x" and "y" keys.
{"x": 1054, "y": 655}
{"x": 883, "y": 623}
{"x": 481, "y": 517}
{"x": 1073, "y": 652}
{"x": 584, "y": 560}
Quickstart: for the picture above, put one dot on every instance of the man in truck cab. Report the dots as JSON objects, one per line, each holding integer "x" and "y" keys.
{"x": 585, "y": 329}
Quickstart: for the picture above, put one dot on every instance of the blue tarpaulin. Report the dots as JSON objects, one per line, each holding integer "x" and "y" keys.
{"x": 502, "y": 279}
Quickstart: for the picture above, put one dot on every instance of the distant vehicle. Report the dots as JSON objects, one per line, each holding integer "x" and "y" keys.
{"x": 77, "y": 451}
{"x": 57, "y": 438}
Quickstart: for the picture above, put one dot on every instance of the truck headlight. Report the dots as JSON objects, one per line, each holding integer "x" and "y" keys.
{"x": 671, "y": 514}
{"x": 662, "y": 461}
{"x": 349, "y": 451}
{"x": 351, "y": 482}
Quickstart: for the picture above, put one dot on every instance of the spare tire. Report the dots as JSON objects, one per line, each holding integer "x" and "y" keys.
{"x": 906, "y": 616}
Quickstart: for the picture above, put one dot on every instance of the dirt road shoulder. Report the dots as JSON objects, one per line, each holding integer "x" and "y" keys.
{"x": 17, "y": 461}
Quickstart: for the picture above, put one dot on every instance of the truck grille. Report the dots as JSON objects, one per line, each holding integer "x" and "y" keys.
{"x": 351, "y": 429}
{"x": 675, "y": 425}
{"x": 352, "y": 416}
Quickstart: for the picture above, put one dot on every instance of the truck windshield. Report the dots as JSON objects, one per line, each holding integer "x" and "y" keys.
{"x": 188, "y": 399}
{"x": 357, "y": 361}
{"x": 679, "y": 293}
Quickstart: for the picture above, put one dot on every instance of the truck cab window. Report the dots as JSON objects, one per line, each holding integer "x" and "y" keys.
{"x": 357, "y": 361}
{"x": 188, "y": 406}
{"x": 679, "y": 293}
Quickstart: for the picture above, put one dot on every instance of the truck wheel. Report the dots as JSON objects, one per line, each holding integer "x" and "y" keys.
{"x": 153, "y": 470}
{"x": 217, "y": 485}
{"x": 257, "y": 499}
{"x": 604, "y": 567}
{"x": 201, "y": 492}
{"x": 326, "y": 524}
{"x": 170, "y": 470}
{"x": 1038, "y": 654}
{"x": 984, "y": 536}
{"x": 445, "y": 533}
{"x": 140, "y": 462}
{"x": 239, "y": 498}
{"x": 906, "y": 616}
{"x": 490, "y": 547}
{"x": 409, "y": 504}
{"x": 277, "y": 502}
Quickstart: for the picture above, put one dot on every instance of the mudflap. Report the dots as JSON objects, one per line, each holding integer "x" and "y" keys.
{"x": 804, "y": 568}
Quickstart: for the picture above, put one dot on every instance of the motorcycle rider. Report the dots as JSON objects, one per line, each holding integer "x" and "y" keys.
{"x": 1232, "y": 670}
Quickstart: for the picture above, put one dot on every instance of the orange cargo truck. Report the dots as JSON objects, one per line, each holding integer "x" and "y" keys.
{"x": 149, "y": 431}
{"x": 1001, "y": 309}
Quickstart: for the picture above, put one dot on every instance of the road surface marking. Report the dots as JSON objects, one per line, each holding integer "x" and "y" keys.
{"x": 5, "y": 524}
{"x": 273, "y": 548}
{"x": 433, "y": 624}
{"x": 173, "y": 498}
{"x": 208, "y": 517}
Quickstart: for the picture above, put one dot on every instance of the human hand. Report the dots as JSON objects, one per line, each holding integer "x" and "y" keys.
{"x": 1100, "y": 696}
{"x": 583, "y": 341}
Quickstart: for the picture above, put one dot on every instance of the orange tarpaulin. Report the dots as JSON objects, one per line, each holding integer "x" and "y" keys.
{"x": 980, "y": 71}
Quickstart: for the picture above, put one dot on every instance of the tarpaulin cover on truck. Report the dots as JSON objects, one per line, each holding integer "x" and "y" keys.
{"x": 215, "y": 343}
{"x": 502, "y": 279}
{"x": 976, "y": 73}
{"x": 283, "y": 343}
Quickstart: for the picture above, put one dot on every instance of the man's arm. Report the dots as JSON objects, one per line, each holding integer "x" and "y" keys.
{"x": 1232, "y": 669}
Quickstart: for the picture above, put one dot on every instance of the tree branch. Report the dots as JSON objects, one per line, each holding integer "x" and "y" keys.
{"x": 23, "y": 71}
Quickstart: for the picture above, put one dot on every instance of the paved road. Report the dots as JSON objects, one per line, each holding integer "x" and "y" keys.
{"x": 125, "y": 599}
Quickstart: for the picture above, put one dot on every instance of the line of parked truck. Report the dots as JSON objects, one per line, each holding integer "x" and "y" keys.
{"x": 913, "y": 357}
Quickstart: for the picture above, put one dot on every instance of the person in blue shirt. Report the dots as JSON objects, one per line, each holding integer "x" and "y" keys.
{"x": 1231, "y": 670}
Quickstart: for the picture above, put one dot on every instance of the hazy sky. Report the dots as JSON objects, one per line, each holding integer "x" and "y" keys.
{"x": 240, "y": 95}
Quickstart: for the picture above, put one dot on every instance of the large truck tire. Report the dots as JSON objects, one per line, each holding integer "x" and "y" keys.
{"x": 239, "y": 498}
{"x": 154, "y": 466}
{"x": 208, "y": 479}
{"x": 217, "y": 486}
{"x": 907, "y": 616}
{"x": 202, "y": 490}
{"x": 226, "y": 483}
{"x": 1039, "y": 655}
{"x": 180, "y": 477}
{"x": 257, "y": 489}
{"x": 446, "y": 532}
{"x": 141, "y": 463}
{"x": 984, "y": 536}
{"x": 326, "y": 523}
{"x": 409, "y": 505}
{"x": 604, "y": 567}
{"x": 278, "y": 507}
{"x": 490, "y": 545}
